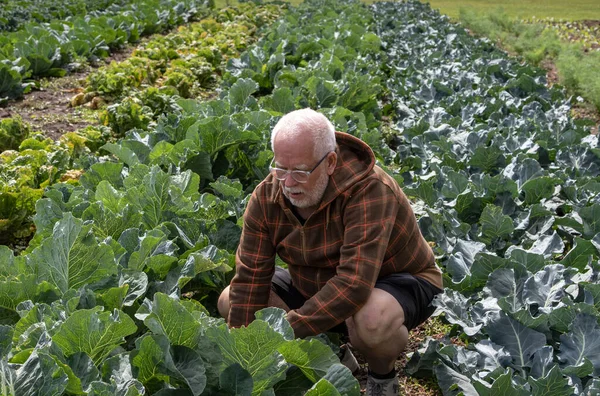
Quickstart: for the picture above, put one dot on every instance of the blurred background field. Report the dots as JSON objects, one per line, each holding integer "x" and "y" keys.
{"x": 523, "y": 9}
{"x": 563, "y": 37}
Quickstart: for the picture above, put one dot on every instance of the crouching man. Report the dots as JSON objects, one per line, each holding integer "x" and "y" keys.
{"x": 356, "y": 257}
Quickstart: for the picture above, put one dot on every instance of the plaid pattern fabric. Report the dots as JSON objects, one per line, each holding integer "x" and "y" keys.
{"x": 364, "y": 228}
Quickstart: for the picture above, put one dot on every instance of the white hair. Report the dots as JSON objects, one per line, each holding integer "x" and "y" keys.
{"x": 309, "y": 124}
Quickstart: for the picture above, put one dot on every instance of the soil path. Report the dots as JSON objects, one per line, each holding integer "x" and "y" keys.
{"x": 48, "y": 109}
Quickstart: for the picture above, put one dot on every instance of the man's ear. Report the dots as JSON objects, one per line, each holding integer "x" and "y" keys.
{"x": 331, "y": 162}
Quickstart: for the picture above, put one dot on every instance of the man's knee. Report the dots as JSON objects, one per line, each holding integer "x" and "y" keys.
{"x": 223, "y": 303}
{"x": 380, "y": 321}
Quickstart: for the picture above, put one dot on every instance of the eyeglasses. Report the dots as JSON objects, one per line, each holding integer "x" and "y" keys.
{"x": 300, "y": 176}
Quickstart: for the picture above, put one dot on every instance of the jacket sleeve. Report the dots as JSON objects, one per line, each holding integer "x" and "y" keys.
{"x": 368, "y": 219}
{"x": 255, "y": 264}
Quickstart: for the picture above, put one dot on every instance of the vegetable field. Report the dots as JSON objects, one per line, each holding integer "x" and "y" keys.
{"x": 134, "y": 223}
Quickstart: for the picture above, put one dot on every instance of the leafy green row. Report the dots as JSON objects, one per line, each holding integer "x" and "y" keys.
{"x": 507, "y": 185}
{"x": 47, "y": 49}
{"x": 586, "y": 33}
{"x": 40, "y": 163}
{"x": 188, "y": 60}
{"x": 164, "y": 220}
{"x": 287, "y": 69}
{"x": 24, "y": 174}
{"x": 16, "y": 13}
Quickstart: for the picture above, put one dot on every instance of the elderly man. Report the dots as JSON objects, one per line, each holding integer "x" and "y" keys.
{"x": 355, "y": 255}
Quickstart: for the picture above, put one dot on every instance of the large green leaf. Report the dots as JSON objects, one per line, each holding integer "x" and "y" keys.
{"x": 109, "y": 171}
{"x": 494, "y": 225}
{"x": 153, "y": 243}
{"x": 554, "y": 384}
{"x": 235, "y": 380}
{"x": 204, "y": 260}
{"x": 47, "y": 213}
{"x": 322, "y": 93}
{"x": 582, "y": 254}
{"x": 118, "y": 371}
{"x": 312, "y": 357}
{"x": 563, "y": 317}
{"x": 111, "y": 224}
{"x": 323, "y": 388}
{"x": 488, "y": 159}
{"x": 457, "y": 310}
{"x": 294, "y": 384}
{"x": 22, "y": 288}
{"x": 342, "y": 379}
{"x": 71, "y": 257}
{"x": 6, "y": 335}
{"x": 583, "y": 341}
{"x": 456, "y": 183}
{"x": 462, "y": 258}
{"x": 502, "y": 386}
{"x": 255, "y": 348}
{"x": 240, "y": 92}
{"x": 277, "y": 319}
{"x": 40, "y": 316}
{"x": 280, "y": 102}
{"x": 94, "y": 332}
{"x": 167, "y": 316}
{"x": 538, "y": 189}
{"x": 532, "y": 261}
{"x": 189, "y": 368}
{"x": 137, "y": 285}
{"x": 215, "y": 134}
{"x": 494, "y": 356}
{"x": 520, "y": 341}
{"x": 83, "y": 372}
{"x": 111, "y": 198}
{"x": 591, "y": 220}
{"x": 10, "y": 83}
{"x": 483, "y": 265}
{"x": 546, "y": 288}
{"x": 8, "y": 377}
{"x": 157, "y": 360}
{"x": 451, "y": 380}
{"x": 40, "y": 375}
{"x": 151, "y": 198}
{"x": 469, "y": 207}
{"x": 542, "y": 362}
{"x": 124, "y": 154}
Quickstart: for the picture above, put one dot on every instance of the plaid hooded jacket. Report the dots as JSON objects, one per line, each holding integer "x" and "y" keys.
{"x": 363, "y": 229}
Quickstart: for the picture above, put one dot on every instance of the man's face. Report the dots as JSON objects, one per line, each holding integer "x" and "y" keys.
{"x": 296, "y": 154}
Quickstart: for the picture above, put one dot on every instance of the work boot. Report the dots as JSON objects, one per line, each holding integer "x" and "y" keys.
{"x": 382, "y": 387}
{"x": 347, "y": 359}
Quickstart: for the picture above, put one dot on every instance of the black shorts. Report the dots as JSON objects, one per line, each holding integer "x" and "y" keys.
{"x": 413, "y": 293}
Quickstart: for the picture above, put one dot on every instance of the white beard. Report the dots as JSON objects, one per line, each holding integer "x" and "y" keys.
{"x": 309, "y": 198}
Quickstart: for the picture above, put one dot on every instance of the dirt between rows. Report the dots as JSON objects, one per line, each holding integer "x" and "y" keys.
{"x": 48, "y": 108}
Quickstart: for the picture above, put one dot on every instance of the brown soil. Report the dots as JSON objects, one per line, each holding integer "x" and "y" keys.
{"x": 408, "y": 385}
{"x": 578, "y": 110}
{"x": 48, "y": 109}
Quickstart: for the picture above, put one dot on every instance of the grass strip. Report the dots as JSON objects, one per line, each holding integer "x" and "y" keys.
{"x": 576, "y": 68}
{"x": 558, "y": 9}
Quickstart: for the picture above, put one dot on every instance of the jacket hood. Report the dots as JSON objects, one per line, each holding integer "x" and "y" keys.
{"x": 355, "y": 160}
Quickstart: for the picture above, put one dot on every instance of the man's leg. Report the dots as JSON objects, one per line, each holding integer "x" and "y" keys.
{"x": 378, "y": 332}
{"x": 223, "y": 305}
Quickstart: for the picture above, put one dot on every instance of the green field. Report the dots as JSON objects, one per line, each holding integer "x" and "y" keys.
{"x": 558, "y": 9}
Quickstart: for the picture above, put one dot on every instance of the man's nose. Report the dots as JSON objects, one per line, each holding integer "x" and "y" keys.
{"x": 289, "y": 180}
